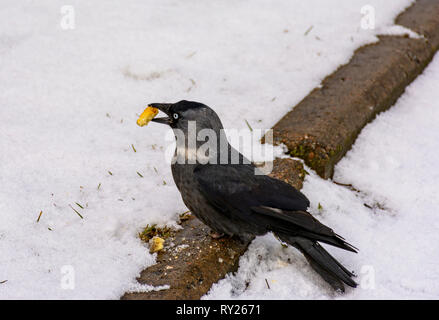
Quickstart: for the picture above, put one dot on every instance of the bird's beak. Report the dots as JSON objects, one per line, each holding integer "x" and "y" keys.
{"x": 151, "y": 111}
{"x": 164, "y": 107}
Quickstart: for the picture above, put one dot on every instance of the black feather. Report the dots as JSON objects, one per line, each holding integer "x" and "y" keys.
{"x": 304, "y": 225}
{"x": 322, "y": 262}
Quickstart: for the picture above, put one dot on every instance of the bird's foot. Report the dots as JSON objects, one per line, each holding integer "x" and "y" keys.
{"x": 215, "y": 235}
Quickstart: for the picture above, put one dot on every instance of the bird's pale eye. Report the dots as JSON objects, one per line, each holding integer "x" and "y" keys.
{"x": 175, "y": 115}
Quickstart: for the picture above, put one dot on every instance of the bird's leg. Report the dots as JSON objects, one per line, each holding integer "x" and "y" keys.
{"x": 215, "y": 235}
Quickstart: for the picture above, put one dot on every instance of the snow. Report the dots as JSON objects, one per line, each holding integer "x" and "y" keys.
{"x": 70, "y": 100}
{"x": 142, "y": 288}
{"x": 393, "y": 168}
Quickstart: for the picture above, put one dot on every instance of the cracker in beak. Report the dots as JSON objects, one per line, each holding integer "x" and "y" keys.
{"x": 147, "y": 116}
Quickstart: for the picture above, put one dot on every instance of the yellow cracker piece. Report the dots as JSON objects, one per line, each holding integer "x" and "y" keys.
{"x": 156, "y": 244}
{"x": 147, "y": 116}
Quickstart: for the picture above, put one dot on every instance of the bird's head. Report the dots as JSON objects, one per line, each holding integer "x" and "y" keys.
{"x": 197, "y": 128}
{"x": 180, "y": 114}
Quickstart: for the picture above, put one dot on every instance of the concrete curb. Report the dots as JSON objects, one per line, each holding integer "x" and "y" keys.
{"x": 320, "y": 130}
{"x": 324, "y": 125}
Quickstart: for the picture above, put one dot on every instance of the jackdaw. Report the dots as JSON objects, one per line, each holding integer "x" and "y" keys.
{"x": 227, "y": 193}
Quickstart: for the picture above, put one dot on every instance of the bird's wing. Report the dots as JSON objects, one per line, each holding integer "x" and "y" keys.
{"x": 237, "y": 192}
{"x": 238, "y": 186}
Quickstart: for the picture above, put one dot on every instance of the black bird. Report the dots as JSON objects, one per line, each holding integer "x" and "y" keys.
{"x": 231, "y": 199}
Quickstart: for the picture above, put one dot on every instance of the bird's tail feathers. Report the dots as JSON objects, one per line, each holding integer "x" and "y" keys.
{"x": 322, "y": 262}
{"x": 334, "y": 240}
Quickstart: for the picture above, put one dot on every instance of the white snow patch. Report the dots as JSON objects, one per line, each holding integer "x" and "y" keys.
{"x": 397, "y": 30}
{"x": 143, "y": 288}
